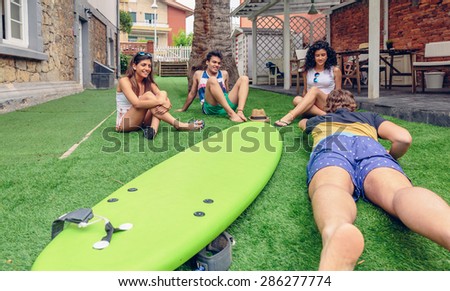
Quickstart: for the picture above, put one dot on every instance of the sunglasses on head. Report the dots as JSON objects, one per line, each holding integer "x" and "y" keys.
{"x": 316, "y": 75}
{"x": 145, "y": 54}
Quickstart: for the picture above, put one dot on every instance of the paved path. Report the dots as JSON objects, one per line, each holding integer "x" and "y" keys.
{"x": 432, "y": 107}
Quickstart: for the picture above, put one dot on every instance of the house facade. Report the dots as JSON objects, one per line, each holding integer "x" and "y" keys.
{"x": 166, "y": 17}
{"x": 50, "y": 49}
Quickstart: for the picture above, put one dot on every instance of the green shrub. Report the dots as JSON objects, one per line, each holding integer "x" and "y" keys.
{"x": 124, "y": 61}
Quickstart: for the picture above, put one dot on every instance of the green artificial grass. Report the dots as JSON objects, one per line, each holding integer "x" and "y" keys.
{"x": 276, "y": 232}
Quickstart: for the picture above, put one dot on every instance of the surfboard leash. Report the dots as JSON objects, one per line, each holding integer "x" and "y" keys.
{"x": 81, "y": 217}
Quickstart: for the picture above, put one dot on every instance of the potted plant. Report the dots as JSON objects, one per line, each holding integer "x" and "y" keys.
{"x": 389, "y": 44}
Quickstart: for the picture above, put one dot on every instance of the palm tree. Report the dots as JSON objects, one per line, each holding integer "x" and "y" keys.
{"x": 212, "y": 31}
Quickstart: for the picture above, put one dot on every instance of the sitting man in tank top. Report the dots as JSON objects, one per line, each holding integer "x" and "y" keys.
{"x": 211, "y": 85}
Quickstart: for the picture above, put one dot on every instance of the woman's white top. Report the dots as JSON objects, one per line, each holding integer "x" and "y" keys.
{"x": 325, "y": 80}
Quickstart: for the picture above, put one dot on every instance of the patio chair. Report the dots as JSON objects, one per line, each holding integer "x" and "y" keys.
{"x": 274, "y": 66}
{"x": 298, "y": 67}
{"x": 350, "y": 67}
{"x": 364, "y": 66}
{"x": 439, "y": 49}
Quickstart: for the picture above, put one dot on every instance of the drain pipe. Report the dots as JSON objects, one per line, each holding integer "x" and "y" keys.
{"x": 385, "y": 22}
{"x": 118, "y": 73}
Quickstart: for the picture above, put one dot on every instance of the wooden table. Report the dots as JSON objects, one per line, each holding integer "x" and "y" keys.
{"x": 388, "y": 59}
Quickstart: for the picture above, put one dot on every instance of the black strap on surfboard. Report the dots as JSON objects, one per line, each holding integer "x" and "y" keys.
{"x": 82, "y": 215}
{"x": 110, "y": 229}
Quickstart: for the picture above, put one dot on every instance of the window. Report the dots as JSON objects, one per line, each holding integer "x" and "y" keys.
{"x": 20, "y": 29}
{"x": 133, "y": 16}
{"x": 14, "y": 25}
{"x": 150, "y": 18}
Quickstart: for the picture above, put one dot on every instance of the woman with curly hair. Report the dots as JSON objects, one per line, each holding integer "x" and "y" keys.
{"x": 320, "y": 77}
{"x": 140, "y": 102}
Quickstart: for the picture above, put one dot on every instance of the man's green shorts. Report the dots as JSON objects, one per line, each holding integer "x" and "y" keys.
{"x": 217, "y": 109}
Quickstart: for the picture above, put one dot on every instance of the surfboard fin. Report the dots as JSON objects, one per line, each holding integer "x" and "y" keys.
{"x": 216, "y": 256}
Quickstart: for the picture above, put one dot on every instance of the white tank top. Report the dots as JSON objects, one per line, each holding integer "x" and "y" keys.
{"x": 325, "y": 80}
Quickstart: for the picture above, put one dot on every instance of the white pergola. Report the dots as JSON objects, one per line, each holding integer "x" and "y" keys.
{"x": 254, "y": 8}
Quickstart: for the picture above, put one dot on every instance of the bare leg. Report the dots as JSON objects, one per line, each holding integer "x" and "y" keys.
{"x": 132, "y": 120}
{"x": 155, "y": 123}
{"x": 135, "y": 118}
{"x": 167, "y": 117}
{"x": 419, "y": 209}
{"x": 314, "y": 110}
{"x": 297, "y": 100}
{"x": 314, "y": 97}
{"x": 334, "y": 212}
{"x": 238, "y": 95}
{"x": 148, "y": 118}
{"x": 214, "y": 95}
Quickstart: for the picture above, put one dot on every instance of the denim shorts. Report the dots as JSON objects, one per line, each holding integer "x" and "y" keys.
{"x": 358, "y": 155}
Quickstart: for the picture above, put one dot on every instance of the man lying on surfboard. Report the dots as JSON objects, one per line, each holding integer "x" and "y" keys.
{"x": 213, "y": 90}
{"x": 347, "y": 163}
{"x": 140, "y": 102}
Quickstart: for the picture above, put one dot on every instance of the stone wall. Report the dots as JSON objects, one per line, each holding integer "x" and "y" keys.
{"x": 97, "y": 33}
{"x": 409, "y": 26}
{"x": 58, "y": 40}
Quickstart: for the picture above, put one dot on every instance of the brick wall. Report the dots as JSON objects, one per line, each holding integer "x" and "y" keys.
{"x": 409, "y": 26}
{"x": 350, "y": 26}
{"x": 415, "y": 26}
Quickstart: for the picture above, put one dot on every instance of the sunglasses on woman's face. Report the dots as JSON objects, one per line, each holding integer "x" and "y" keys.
{"x": 145, "y": 54}
{"x": 316, "y": 75}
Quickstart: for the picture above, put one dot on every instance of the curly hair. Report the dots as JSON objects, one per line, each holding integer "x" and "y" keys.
{"x": 130, "y": 72}
{"x": 318, "y": 45}
{"x": 340, "y": 98}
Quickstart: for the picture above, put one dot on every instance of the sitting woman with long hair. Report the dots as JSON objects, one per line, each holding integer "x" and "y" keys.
{"x": 140, "y": 102}
{"x": 320, "y": 77}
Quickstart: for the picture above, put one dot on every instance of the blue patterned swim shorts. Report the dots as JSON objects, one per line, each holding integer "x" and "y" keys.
{"x": 358, "y": 155}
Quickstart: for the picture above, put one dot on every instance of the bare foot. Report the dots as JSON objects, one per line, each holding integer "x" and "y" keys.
{"x": 240, "y": 112}
{"x": 194, "y": 125}
{"x": 285, "y": 121}
{"x": 342, "y": 250}
{"x": 236, "y": 118}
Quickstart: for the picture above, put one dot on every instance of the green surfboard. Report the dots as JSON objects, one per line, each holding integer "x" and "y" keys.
{"x": 175, "y": 208}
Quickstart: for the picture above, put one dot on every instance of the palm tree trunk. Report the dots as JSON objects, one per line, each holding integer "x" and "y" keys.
{"x": 212, "y": 31}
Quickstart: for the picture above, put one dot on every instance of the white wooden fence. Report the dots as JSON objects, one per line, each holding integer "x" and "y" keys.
{"x": 172, "y": 54}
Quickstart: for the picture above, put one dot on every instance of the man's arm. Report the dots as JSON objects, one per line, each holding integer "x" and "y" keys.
{"x": 192, "y": 93}
{"x": 225, "y": 80}
{"x": 398, "y": 136}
